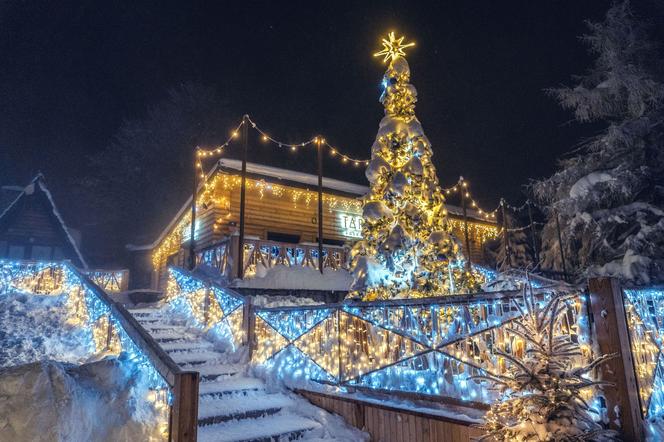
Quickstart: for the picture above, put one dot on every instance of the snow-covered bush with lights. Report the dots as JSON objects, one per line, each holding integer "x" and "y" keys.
{"x": 544, "y": 393}
{"x": 407, "y": 250}
{"x": 609, "y": 196}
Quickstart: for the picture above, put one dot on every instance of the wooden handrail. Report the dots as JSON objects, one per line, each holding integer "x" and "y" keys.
{"x": 183, "y": 383}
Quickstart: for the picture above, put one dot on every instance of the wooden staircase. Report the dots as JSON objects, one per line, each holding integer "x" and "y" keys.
{"x": 232, "y": 406}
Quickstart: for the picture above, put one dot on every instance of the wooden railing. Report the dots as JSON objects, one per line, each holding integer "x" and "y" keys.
{"x": 112, "y": 281}
{"x": 119, "y": 329}
{"x": 183, "y": 384}
{"x": 416, "y": 348}
{"x": 432, "y": 349}
{"x": 267, "y": 254}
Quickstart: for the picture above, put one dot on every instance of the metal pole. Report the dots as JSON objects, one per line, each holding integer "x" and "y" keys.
{"x": 240, "y": 254}
{"x": 560, "y": 244}
{"x": 320, "y": 204}
{"x": 465, "y": 223}
{"x": 532, "y": 232}
{"x": 192, "y": 235}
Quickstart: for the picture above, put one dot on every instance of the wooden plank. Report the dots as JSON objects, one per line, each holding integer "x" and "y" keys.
{"x": 608, "y": 313}
{"x": 392, "y": 424}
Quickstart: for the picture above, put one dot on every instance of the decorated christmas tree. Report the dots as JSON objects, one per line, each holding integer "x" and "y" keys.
{"x": 407, "y": 250}
{"x": 544, "y": 394}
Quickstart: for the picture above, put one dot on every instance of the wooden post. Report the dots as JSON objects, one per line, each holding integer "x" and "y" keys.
{"x": 508, "y": 254}
{"x": 206, "y": 306}
{"x": 608, "y": 315}
{"x": 184, "y": 412}
{"x": 320, "y": 203}
{"x": 532, "y": 233}
{"x": 465, "y": 222}
{"x": 248, "y": 324}
{"x": 109, "y": 333}
{"x": 245, "y": 134}
{"x": 192, "y": 240}
{"x": 560, "y": 245}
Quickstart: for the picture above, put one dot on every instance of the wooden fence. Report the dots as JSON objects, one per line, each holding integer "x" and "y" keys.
{"x": 429, "y": 349}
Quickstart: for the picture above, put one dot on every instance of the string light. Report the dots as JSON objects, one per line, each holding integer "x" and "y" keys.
{"x": 464, "y": 184}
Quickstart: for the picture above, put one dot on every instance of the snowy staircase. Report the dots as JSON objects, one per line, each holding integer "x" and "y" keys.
{"x": 231, "y": 405}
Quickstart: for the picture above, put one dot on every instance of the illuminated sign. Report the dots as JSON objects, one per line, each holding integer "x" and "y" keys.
{"x": 351, "y": 224}
{"x": 186, "y": 231}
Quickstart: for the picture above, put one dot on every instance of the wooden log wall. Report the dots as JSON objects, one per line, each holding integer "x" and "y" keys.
{"x": 282, "y": 215}
{"x": 391, "y": 424}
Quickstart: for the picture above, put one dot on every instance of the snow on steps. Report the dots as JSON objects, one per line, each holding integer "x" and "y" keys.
{"x": 232, "y": 407}
{"x": 266, "y": 429}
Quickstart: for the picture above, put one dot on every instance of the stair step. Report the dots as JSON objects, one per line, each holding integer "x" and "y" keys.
{"x": 215, "y": 410}
{"x": 144, "y": 311}
{"x": 158, "y": 326}
{"x": 283, "y": 426}
{"x": 212, "y": 372}
{"x": 195, "y": 357}
{"x": 170, "y": 334}
{"x": 232, "y": 385}
{"x": 186, "y": 345}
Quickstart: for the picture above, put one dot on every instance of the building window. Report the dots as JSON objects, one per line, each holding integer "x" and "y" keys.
{"x": 332, "y": 242}
{"x": 283, "y": 237}
{"x": 58, "y": 253}
{"x": 3, "y": 248}
{"x": 16, "y": 252}
{"x": 41, "y": 252}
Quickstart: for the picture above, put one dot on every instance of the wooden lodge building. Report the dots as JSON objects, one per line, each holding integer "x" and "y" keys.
{"x": 32, "y": 228}
{"x": 281, "y": 223}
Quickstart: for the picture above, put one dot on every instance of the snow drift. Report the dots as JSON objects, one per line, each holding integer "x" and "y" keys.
{"x": 55, "y": 401}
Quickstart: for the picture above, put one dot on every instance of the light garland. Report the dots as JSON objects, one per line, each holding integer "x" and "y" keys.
{"x": 86, "y": 311}
{"x": 461, "y": 187}
{"x": 202, "y": 154}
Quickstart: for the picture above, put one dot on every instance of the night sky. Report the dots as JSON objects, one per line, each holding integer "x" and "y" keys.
{"x": 70, "y": 72}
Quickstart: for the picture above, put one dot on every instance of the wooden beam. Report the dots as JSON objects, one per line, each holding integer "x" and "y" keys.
{"x": 320, "y": 203}
{"x": 243, "y": 195}
{"x": 608, "y": 315}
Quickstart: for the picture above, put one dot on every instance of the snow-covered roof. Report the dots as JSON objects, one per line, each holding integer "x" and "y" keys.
{"x": 298, "y": 177}
{"x": 39, "y": 182}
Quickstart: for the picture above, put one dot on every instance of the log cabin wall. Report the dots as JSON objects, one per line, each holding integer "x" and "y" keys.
{"x": 286, "y": 212}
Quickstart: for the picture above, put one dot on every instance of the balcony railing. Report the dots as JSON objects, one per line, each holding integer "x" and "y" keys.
{"x": 265, "y": 254}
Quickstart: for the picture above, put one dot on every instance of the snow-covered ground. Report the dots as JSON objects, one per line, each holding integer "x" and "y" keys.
{"x": 297, "y": 278}
{"x": 35, "y": 328}
{"x": 54, "y": 401}
{"x": 53, "y": 387}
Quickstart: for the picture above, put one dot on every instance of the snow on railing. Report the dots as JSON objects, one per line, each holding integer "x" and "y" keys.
{"x": 420, "y": 347}
{"x": 265, "y": 254}
{"x": 428, "y": 348}
{"x": 644, "y": 309}
{"x": 112, "y": 329}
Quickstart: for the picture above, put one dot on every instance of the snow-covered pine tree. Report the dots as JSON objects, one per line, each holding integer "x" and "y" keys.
{"x": 609, "y": 196}
{"x": 541, "y": 395}
{"x": 515, "y": 251}
{"x": 407, "y": 250}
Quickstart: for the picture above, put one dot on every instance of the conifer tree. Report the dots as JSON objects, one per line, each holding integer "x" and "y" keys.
{"x": 407, "y": 250}
{"x": 514, "y": 251}
{"x": 542, "y": 397}
{"x": 608, "y": 198}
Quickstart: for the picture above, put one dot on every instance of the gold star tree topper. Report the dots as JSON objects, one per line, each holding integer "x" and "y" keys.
{"x": 393, "y": 48}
